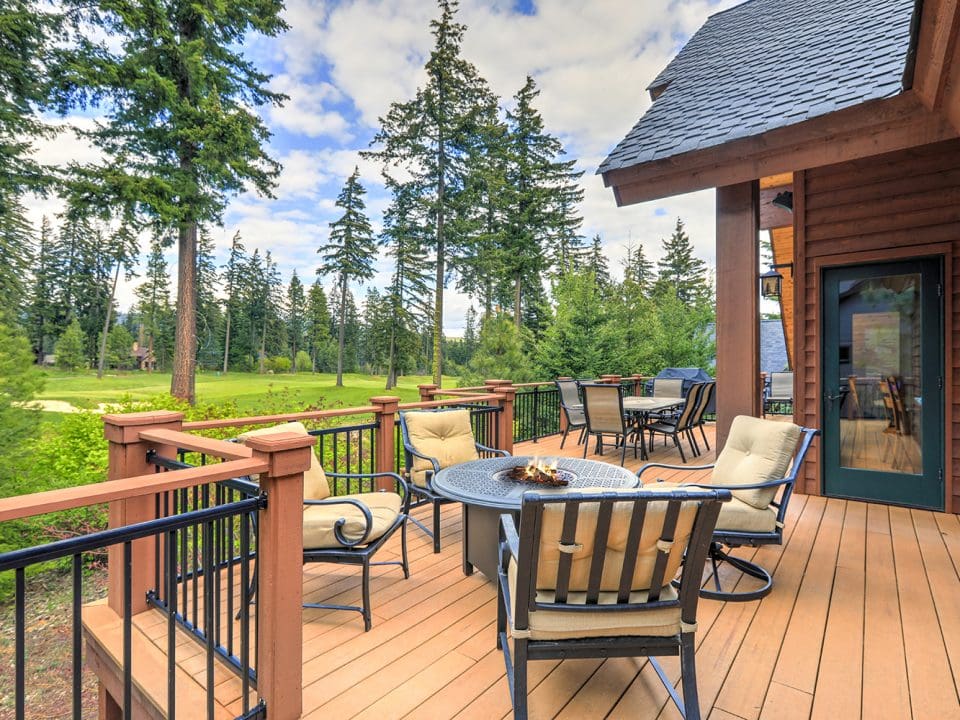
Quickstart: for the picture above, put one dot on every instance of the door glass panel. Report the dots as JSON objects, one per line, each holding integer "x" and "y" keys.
{"x": 880, "y": 369}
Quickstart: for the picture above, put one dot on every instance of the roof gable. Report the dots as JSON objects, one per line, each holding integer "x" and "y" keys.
{"x": 767, "y": 64}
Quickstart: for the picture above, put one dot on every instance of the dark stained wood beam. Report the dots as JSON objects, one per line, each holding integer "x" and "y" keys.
{"x": 868, "y": 129}
{"x": 738, "y": 304}
{"x": 936, "y": 50}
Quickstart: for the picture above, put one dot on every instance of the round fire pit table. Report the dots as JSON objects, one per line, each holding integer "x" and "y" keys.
{"x": 486, "y": 492}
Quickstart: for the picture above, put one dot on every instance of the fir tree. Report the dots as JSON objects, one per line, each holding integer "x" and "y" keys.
{"x": 208, "y": 306}
{"x": 43, "y": 311}
{"x": 637, "y": 269}
{"x": 16, "y": 244}
{"x": 180, "y": 131}
{"x": 596, "y": 262}
{"x": 431, "y": 137}
{"x": 348, "y": 254}
{"x": 153, "y": 303}
{"x": 317, "y": 326}
{"x": 231, "y": 278}
{"x": 681, "y": 272}
{"x": 296, "y": 317}
{"x": 70, "y": 348}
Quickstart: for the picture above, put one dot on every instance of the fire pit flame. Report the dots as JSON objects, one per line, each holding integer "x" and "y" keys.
{"x": 541, "y": 472}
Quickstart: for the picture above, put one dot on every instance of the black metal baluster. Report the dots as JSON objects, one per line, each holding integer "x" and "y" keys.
{"x": 20, "y": 643}
{"x": 77, "y": 645}
{"x": 231, "y": 564}
{"x": 127, "y": 630}
{"x": 196, "y": 560}
{"x": 208, "y": 609}
{"x": 245, "y": 611}
{"x": 171, "y": 626}
{"x": 184, "y": 559}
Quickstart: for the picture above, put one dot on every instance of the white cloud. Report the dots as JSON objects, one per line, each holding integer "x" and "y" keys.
{"x": 306, "y": 110}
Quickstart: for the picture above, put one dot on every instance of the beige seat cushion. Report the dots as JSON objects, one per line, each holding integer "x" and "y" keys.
{"x": 446, "y": 436}
{"x": 319, "y": 520}
{"x": 737, "y": 515}
{"x": 564, "y": 624}
{"x": 315, "y": 484}
{"x": 756, "y": 451}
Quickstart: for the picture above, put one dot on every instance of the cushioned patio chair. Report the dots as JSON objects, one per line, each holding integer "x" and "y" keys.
{"x": 589, "y": 575}
{"x": 347, "y": 529}
{"x": 433, "y": 440}
{"x": 572, "y": 407}
{"x": 759, "y": 465}
{"x": 780, "y": 392}
{"x": 603, "y": 410}
{"x": 681, "y": 426}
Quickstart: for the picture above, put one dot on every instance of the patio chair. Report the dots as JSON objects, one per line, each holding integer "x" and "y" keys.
{"x": 755, "y": 465}
{"x": 433, "y": 440}
{"x": 572, "y": 408}
{"x": 668, "y": 387}
{"x": 347, "y": 529}
{"x": 682, "y": 426}
{"x": 589, "y": 575}
{"x": 603, "y": 411}
{"x": 698, "y": 421}
{"x": 780, "y": 391}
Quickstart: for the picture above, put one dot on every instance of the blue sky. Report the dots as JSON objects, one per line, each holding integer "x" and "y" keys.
{"x": 342, "y": 63}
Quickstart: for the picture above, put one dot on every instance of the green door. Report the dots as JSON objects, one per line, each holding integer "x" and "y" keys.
{"x": 883, "y": 382}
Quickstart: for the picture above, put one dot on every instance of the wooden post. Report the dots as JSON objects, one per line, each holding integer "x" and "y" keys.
{"x": 280, "y": 565}
{"x": 637, "y": 384}
{"x": 738, "y": 304}
{"x": 127, "y": 457}
{"x": 386, "y": 444}
{"x": 426, "y": 391}
{"x": 506, "y": 389}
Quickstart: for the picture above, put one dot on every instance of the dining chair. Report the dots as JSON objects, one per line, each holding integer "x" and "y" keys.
{"x": 603, "y": 412}
{"x": 681, "y": 427}
{"x": 572, "y": 407}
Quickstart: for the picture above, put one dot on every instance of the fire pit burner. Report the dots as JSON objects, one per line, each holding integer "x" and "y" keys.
{"x": 539, "y": 473}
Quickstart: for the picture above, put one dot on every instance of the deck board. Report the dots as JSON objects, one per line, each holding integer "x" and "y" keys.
{"x": 861, "y": 623}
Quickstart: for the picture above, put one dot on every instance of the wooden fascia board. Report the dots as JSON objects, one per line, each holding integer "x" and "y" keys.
{"x": 936, "y": 48}
{"x": 871, "y": 128}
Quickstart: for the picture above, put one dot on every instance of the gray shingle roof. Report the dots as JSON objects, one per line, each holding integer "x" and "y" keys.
{"x": 767, "y": 64}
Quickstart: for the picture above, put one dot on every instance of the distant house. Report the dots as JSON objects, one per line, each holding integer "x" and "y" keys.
{"x": 773, "y": 346}
{"x": 835, "y": 126}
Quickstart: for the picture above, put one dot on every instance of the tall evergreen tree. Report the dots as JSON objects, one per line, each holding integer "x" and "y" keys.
{"x": 430, "y": 137}
{"x": 180, "y": 131}
{"x": 16, "y": 255}
{"x": 231, "y": 280}
{"x": 407, "y": 296}
{"x": 349, "y": 252}
{"x": 153, "y": 304}
{"x": 208, "y": 306}
{"x": 43, "y": 311}
{"x": 637, "y": 269}
{"x": 596, "y": 262}
{"x": 120, "y": 249}
{"x": 680, "y": 271}
{"x": 317, "y": 326}
{"x": 296, "y": 317}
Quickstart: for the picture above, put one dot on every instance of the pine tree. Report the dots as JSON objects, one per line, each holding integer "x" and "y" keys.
{"x": 180, "y": 132}
{"x": 349, "y": 252}
{"x": 637, "y": 269}
{"x": 541, "y": 188}
{"x": 231, "y": 279}
{"x": 680, "y": 271}
{"x": 407, "y": 295}
{"x": 153, "y": 303}
{"x": 16, "y": 256}
{"x": 296, "y": 317}
{"x": 431, "y": 137}
{"x": 71, "y": 347}
{"x": 596, "y": 262}
{"x": 120, "y": 249}
{"x": 42, "y": 311}
{"x": 501, "y": 352}
{"x": 208, "y": 306}
{"x": 317, "y": 326}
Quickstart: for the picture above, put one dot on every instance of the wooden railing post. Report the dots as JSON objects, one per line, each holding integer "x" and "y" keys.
{"x": 506, "y": 389}
{"x": 128, "y": 458}
{"x": 610, "y": 379}
{"x": 637, "y": 384}
{"x": 386, "y": 444}
{"x": 280, "y": 567}
{"x": 426, "y": 391}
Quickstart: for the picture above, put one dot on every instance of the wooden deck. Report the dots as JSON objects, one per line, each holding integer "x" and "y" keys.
{"x": 862, "y": 623}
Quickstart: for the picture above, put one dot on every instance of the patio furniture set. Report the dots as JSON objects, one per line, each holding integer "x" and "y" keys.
{"x": 601, "y": 566}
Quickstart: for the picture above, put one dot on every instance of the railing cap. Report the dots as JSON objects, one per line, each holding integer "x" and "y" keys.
{"x": 385, "y": 400}
{"x": 149, "y": 417}
{"x": 287, "y": 453}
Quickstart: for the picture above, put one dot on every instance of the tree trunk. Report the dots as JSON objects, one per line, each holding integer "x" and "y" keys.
{"x": 441, "y": 269}
{"x": 517, "y": 319}
{"x": 183, "y": 382}
{"x": 106, "y": 324}
{"x": 226, "y": 343}
{"x": 391, "y": 361}
{"x": 340, "y": 340}
{"x": 263, "y": 348}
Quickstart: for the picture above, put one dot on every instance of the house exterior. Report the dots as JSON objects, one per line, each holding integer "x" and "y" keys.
{"x": 854, "y": 108}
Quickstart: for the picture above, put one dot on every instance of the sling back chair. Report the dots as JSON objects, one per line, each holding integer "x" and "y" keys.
{"x": 755, "y": 465}
{"x": 589, "y": 575}
{"x": 572, "y": 408}
{"x": 780, "y": 392}
{"x": 603, "y": 410}
{"x": 698, "y": 421}
{"x": 433, "y": 440}
{"x": 668, "y": 387}
{"x": 347, "y": 529}
{"x": 681, "y": 426}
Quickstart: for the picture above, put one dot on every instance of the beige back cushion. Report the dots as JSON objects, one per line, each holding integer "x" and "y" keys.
{"x": 549, "y": 559}
{"x": 445, "y": 435}
{"x": 668, "y": 387}
{"x": 603, "y": 408}
{"x": 315, "y": 485}
{"x": 757, "y": 451}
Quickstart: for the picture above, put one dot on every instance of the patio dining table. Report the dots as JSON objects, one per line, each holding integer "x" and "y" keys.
{"x": 641, "y": 407}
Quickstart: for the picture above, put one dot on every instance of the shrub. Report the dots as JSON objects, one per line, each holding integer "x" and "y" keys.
{"x": 303, "y": 362}
{"x": 69, "y": 349}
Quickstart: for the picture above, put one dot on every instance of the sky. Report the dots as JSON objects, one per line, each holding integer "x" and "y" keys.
{"x": 343, "y": 62}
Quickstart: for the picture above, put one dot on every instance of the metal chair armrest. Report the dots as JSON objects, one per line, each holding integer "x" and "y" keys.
{"x": 337, "y": 532}
{"x": 495, "y": 451}
{"x": 672, "y": 467}
{"x": 397, "y": 478}
{"x": 752, "y": 486}
{"x": 509, "y": 540}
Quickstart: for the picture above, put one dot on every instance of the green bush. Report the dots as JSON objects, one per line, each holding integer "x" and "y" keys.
{"x": 303, "y": 362}
{"x": 69, "y": 349}
{"x": 280, "y": 363}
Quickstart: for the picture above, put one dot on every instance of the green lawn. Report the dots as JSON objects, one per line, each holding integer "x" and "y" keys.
{"x": 248, "y": 390}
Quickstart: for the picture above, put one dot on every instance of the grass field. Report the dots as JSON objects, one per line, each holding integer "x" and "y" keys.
{"x": 248, "y": 390}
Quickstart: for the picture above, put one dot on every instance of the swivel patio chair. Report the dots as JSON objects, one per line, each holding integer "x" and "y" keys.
{"x": 698, "y": 419}
{"x": 433, "y": 440}
{"x": 682, "y": 426}
{"x": 589, "y": 575}
{"x": 603, "y": 411}
{"x": 572, "y": 408}
{"x": 780, "y": 392}
{"x": 754, "y": 466}
{"x": 347, "y": 529}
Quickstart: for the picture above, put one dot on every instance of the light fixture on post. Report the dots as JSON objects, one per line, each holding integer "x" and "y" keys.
{"x": 771, "y": 282}
{"x": 784, "y": 200}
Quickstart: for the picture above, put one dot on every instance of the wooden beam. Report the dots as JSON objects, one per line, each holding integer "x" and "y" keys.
{"x": 868, "y": 129}
{"x": 738, "y": 304}
{"x": 936, "y": 47}
{"x": 773, "y": 216}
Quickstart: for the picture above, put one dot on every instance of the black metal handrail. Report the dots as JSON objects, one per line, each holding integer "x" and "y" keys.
{"x": 536, "y": 412}
{"x": 165, "y": 529}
